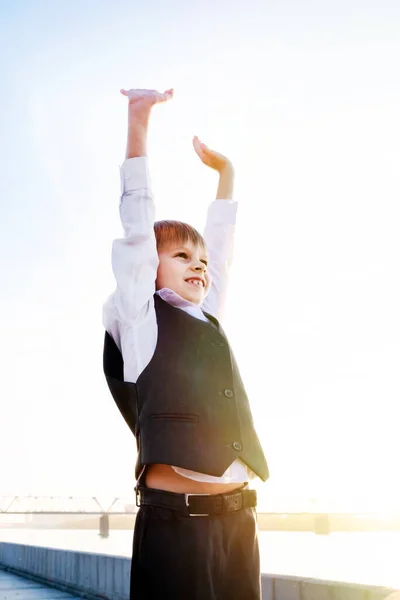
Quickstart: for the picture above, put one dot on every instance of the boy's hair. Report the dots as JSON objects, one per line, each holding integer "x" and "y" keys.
{"x": 176, "y": 232}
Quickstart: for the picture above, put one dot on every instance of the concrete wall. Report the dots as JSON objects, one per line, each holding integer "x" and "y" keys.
{"x": 80, "y": 572}
{"x": 97, "y": 576}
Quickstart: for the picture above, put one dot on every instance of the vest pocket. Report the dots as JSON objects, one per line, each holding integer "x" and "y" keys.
{"x": 179, "y": 417}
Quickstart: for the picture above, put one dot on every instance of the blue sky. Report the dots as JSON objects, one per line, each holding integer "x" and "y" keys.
{"x": 304, "y": 97}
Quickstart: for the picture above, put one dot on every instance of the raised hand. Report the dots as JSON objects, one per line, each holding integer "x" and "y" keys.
{"x": 209, "y": 157}
{"x": 139, "y": 108}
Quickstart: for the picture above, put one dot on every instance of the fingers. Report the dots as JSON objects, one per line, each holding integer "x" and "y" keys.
{"x": 196, "y": 143}
{"x": 198, "y": 146}
{"x": 204, "y": 147}
{"x": 151, "y": 96}
{"x": 168, "y": 94}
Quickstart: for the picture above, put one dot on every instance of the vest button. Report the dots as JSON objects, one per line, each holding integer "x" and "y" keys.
{"x": 237, "y": 446}
{"x": 228, "y": 393}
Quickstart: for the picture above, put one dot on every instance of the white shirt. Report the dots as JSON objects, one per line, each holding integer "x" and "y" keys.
{"x": 129, "y": 314}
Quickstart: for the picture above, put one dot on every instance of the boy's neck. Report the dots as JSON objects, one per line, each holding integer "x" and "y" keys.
{"x": 173, "y": 298}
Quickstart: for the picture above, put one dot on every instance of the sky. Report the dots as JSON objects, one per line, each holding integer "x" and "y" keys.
{"x": 303, "y": 97}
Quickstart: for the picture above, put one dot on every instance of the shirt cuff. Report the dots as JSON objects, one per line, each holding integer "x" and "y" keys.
{"x": 223, "y": 212}
{"x": 134, "y": 174}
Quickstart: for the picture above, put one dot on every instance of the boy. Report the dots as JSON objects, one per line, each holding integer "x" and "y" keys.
{"x": 173, "y": 376}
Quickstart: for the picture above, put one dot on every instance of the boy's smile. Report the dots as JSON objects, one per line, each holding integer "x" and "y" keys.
{"x": 183, "y": 269}
{"x": 196, "y": 281}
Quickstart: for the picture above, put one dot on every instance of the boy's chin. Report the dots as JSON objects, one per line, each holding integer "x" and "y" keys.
{"x": 195, "y": 297}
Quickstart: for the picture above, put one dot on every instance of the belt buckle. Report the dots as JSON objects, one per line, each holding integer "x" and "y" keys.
{"x": 233, "y": 502}
{"x": 137, "y": 496}
{"x": 187, "y": 496}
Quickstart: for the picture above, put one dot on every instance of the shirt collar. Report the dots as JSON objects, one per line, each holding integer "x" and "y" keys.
{"x": 175, "y": 300}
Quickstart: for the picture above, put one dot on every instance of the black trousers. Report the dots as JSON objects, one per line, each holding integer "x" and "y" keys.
{"x": 178, "y": 557}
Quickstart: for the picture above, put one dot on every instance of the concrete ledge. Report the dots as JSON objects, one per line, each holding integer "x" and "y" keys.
{"x": 89, "y": 575}
{"x": 103, "y": 577}
{"x": 279, "y": 587}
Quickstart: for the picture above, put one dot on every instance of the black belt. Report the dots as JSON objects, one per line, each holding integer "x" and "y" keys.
{"x": 197, "y": 504}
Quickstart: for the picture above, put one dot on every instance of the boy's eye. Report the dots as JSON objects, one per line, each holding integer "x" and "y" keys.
{"x": 185, "y": 256}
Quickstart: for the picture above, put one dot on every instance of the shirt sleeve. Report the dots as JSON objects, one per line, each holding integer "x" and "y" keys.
{"x": 134, "y": 257}
{"x": 219, "y": 236}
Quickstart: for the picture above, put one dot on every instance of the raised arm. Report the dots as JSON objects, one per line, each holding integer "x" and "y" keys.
{"x": 140, "y": 103}
{"x": 219, "y": 163}
{"x": 220, "y": 228}
{"x": 134, "y": 257}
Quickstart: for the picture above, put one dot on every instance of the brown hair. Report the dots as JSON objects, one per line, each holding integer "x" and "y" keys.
{"x": 176, "y": 232}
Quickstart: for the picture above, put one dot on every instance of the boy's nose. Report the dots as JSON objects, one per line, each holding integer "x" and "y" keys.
{"x": 199, "y": 267}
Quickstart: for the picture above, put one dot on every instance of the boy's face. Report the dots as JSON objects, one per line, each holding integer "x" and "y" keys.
{"x": 183, "y": 269}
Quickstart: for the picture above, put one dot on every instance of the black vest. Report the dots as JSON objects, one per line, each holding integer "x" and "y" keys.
{"x": 188, "y": 407}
